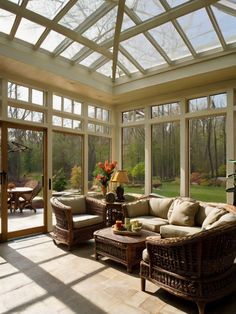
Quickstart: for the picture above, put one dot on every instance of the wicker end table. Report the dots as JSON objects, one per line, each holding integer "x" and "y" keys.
{"x": 126, "y": 250}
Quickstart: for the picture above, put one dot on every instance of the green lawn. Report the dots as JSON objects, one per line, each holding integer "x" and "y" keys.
{"x": 203, "y": 193}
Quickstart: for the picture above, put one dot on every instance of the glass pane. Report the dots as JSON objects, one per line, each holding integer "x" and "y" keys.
{"x": 126, "y": 63}
{"x": 166, "y": 159}
{"x": 22, "y": 93}
{"x": 128, "y": 116}
{"x": 11, "y": 90}
{"x": 25, "y": 171}
{"x": 57, "y": 102}
{"x": 145, "y": 9}
{"x": 6, "y": 21}
{"x": 29, "y": 31}
{"x": 199, "y": 30}
{"x": 197, "y": 104}
{"x": 227, "y": 24}
{"x": 26, "y": 115}
{"x": 139, "y": 114}
{"x": 142, "y": 51}
{"x": 133, "y": 158}
{"x": 67, "y": 105}
{"x": 170, "y": 41}
{"x": 218, "y": 101}
{"x": 52, "y": 41}
{"x": 67, "y": 162}
{"x": 49, "y": 9}
{"x": 99, "y": 114}
{"x": 90, "y": 59}
{"x": 57, "y": 121}
{"x": 91, "y": 111}
{"x": 77, "y": 107}
{"x": 72, "y": 50}
{"x": 165, "y": 110}
{"x": 105, "y": 115}
{"x": 67, "y": 123}
{"x": 208, "y": 159}
{"x": 91, "y": 127}
{"x": 77, "y": 125}
{"x": 98, "y": 151}
{"x": 175, "y": 3}
{"x": 106, "y": 69}
{"x": 37, "y": 97}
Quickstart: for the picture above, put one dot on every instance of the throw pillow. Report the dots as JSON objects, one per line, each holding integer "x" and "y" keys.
{"x": 139, "y": 208}
{"x": 77, "y": 204}
{"x": 183, "y": 213}
{"x": 227, "y": 218}
{"x": 213, "y": 216}
{"x": 159, "y": 207}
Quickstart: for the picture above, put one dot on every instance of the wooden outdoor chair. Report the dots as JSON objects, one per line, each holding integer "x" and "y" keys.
{"x": 26, "y": 200}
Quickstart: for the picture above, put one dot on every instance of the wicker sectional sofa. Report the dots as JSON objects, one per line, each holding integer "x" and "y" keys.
{"x": 181, "y": 216}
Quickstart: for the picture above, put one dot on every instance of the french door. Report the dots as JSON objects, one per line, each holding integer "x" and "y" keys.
{"x": 23, "y": 180}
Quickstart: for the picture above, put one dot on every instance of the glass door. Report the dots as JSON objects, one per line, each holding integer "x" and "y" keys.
{"x": 24, "y": 205}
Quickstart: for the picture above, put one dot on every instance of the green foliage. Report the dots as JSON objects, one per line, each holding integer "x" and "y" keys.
{"x": 59, "y": 181}
{"x": 222, "y": 170}
{"x": 76, "y": 177}
{"x": 138, "y": 172}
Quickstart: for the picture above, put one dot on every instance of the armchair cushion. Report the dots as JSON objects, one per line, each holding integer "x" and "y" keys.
{"x": 77, "y": 203}
{"x": 83, "y": 220}
{"x": 160, "y": 206}
{"x": 171, "y": 231}
{"x": 139, "y": 208}
{"x": 182, "y": 213}
{"x": 213, "y": 216}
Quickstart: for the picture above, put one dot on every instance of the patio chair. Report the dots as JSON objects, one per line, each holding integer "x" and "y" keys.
{"x": 26, "y": 200}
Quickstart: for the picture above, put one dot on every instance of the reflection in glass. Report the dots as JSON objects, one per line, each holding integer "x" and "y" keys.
{"x": 165, "y": 110}
{"x": 197, "y": 104}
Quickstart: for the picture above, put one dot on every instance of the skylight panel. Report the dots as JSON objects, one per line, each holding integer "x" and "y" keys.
{"x": 229, "y": 3}
{"x": 72, "y": 50}
{"x": 199, "y": 30}
{"x": 106, "y": 69}
{"x": 143, "y": 52}
{"x": 90, "y": 59}
{"x": 169, "y": 39}
{"x": 6, "y": 21}
{"x": 49, "y": 9}
{"x": 104, "y": 28}
{"x": 175, "y": 3}
{"x": 29, "y": 31}
{"x": 16, "y": 1}
{"x": 79, "y": 12}
{"x": 145, "y": 9}
{"x": 52, "y": 41}
{"x": 129, "y": 66}
{"x": 127, "y": 22}
{"x": 227, "y": 24}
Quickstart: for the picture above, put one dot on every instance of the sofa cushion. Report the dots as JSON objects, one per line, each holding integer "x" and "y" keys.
{"x": 151, "y": 223}
{"x": 160, "y": 206}
{"x": 77, "y": 203}
{"x": 183, "y": 213}
{"x": 203, "y": 211}
{"x": 229, "y": 217}
{"x": 139, "y": 208}
{"x": 84, "y": 220}
{"x": 170, "y": 231}
{"x": 213, "y": 216}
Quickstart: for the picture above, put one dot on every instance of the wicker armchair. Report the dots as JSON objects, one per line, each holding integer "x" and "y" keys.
{"x": 199, "y": 267}
{"x": 70, "y": 228}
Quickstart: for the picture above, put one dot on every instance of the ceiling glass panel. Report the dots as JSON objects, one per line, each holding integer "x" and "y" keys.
{"x": 199, "y": 30}
{"x": 6, "y": 21}
{"x": 142, "y": 51}
{"x": 29, "y": 31}
{"x": 52, "y": 41}
{"x": 227, "y": 25}
{"x": 79, "y": 12}
{"x": 229, "y": 3}
{"x": 72, "y": 50}
{"x": 145, "y": 9}
{"x": 175, "y": 3}
{"x": 104, "y": 28}
{"x": 106, "y": 69}
{"x": 49, "y": 9}
{"x": 90, "y": 59}
{"x": 127, "y": 22}
{"x": 169, "y": 39}
{"x": 129, "y": 66}
{"x": 17, "y": 1}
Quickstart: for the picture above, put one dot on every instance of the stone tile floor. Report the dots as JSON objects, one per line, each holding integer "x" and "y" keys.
{"x": 38, "y": 277}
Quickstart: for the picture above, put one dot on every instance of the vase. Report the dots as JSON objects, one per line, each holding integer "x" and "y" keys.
{"x": 104, "y": 190}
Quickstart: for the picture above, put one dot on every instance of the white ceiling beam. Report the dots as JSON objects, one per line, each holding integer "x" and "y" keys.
{"x": 225, "y": 9}
{"x": 216, "y": 27}
{"x": 39, "y": 19}
{"x": 165, "y": 17}
{"x": 119, "y": 20}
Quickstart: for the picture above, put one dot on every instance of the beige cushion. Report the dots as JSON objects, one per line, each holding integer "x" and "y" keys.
{"x": 77, "y": 203}
{"x": 160, "y": 206}
{"x": 213, "y": 216}
{"x": 139, "y": 208}
{"x": 151, "y": 223}
{"x": 203, "y": 211}
{"x": 80, "y": 221}
{"x": 183, "y": 213}
{"x": 171, "y": 231}
{"x": 229, "y": 217}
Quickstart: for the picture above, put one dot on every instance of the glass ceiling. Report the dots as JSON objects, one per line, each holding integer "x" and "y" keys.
{"x": 121, "y": 38}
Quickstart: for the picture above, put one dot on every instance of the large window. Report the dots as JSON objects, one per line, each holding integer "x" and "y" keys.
{"x": 133, "y": 157}
{"x": 208, "y": 158}
{"x": 67, "y": 162}
{"x": 166, "y": 159}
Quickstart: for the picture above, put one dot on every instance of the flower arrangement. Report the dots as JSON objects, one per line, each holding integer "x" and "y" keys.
{"x": 106, "y": 170}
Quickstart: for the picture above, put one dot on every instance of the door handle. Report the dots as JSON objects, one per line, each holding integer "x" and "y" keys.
{"x": 3, "y": 177}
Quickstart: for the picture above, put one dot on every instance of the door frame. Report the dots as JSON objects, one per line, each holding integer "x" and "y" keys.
{"x": 5, "y": 235}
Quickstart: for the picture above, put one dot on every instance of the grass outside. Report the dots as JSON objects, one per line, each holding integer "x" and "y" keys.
{"x": 198, "y": 192}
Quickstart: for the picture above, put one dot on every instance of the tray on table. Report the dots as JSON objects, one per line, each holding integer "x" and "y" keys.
{"x": 126, "y": 232}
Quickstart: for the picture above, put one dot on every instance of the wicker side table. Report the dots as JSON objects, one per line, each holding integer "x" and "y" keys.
{"x": 126, "y": 250}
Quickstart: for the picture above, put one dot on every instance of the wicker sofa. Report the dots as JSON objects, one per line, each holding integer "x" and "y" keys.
{"x": 197, "y": 267}
{"x": 77, "y": 217}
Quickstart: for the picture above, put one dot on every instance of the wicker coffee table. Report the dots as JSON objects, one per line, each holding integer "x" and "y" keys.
{"x": 123, "y": 249}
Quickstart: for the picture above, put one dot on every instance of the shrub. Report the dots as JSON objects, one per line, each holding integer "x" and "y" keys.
{"x": 76, "y": 177}
{"x": 59, "y": 181}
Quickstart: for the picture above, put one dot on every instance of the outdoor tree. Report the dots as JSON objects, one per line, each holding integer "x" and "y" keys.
{"x": 76, "y": 177}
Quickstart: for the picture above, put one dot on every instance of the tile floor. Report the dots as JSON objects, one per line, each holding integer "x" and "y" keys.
{"x": 38, "y": 277}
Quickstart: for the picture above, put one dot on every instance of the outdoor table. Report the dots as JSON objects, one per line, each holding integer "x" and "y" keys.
{"x": 15, "y": 193}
